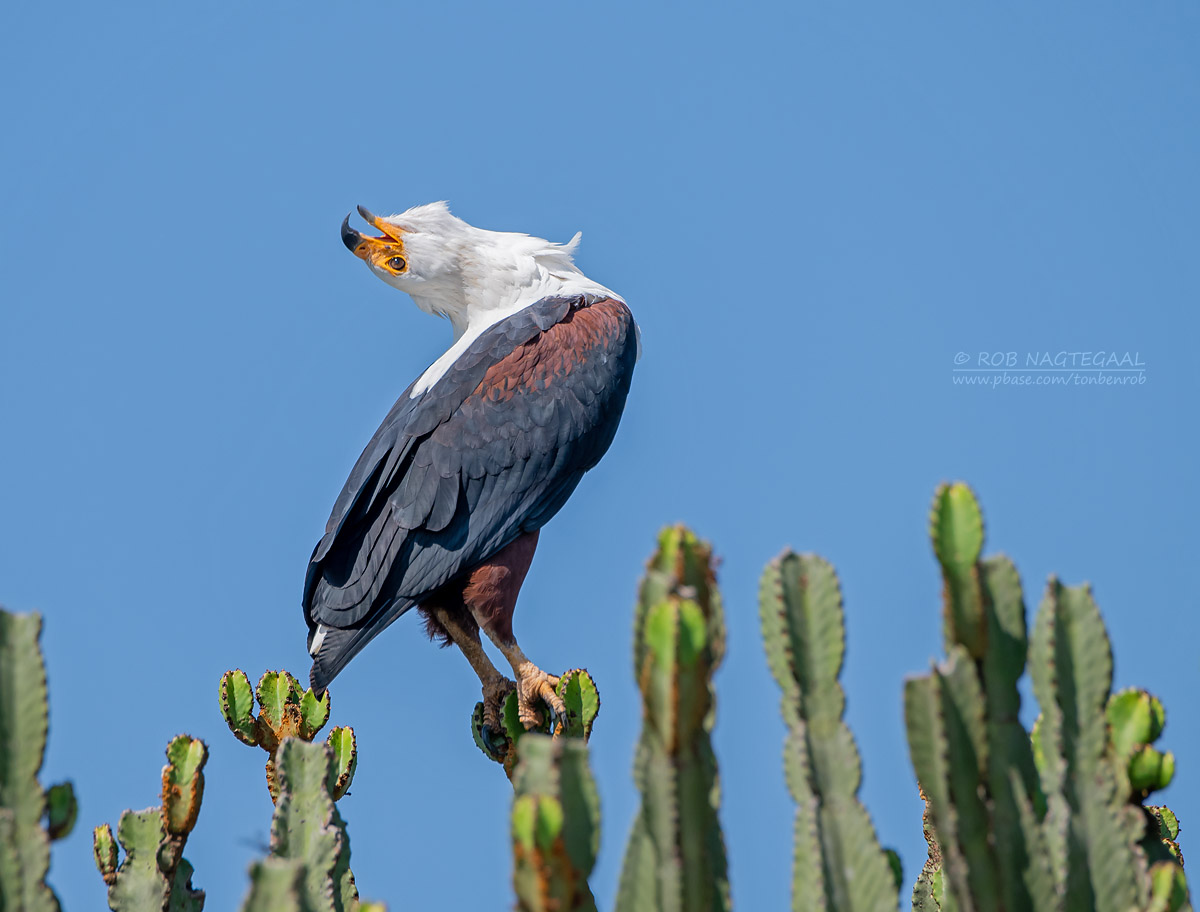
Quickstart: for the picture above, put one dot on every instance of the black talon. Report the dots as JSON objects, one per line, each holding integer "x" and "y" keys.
{"x": 490, "y": 741}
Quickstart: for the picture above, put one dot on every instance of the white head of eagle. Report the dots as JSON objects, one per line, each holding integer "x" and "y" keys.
{"x": 471, "y": 276}
{"x": 443, "y": 509}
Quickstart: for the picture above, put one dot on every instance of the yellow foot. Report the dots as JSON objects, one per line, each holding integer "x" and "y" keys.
{"x": 495, "y": 692}
{"x": 535, "y": 686}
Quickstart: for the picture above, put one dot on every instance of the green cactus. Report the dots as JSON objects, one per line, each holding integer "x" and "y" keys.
{"x": 24, "y": 711}
{"x": 1136, "y": 720}
{"x": 284, "y": 712}
{"x": 838, "y": 862}
{"x": 154, "y": 874}
{"x": 555, "y": 825}
{"x": 276, "y": 885}
{"x": 576, "y": 688}
{"x": 307, "y": 828}
{"x": 1051, "y": 821}
{"x": 675, "y": 858}
{"x": 1088, "y": 812}
{"x": 972, "y": 755}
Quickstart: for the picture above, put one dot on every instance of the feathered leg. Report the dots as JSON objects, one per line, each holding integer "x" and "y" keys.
{"x": 456, "y": 626}
{"x": 491, "y": 595}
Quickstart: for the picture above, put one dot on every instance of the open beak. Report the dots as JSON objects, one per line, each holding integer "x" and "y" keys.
{"x": 363, "y": 246}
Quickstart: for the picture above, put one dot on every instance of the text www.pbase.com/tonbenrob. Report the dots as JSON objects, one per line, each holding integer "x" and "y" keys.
{"x": 993, "y": 370}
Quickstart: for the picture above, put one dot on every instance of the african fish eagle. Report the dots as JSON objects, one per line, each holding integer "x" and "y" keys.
{"x": 443, "y": 509}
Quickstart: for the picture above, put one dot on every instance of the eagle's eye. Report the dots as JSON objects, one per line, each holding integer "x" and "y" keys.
{"x": 397, "y": 263}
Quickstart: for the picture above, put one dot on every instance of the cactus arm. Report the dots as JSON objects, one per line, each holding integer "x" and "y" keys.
{"x": 183, "y": 783}
{"x": 1038, "y": 878}
{"x": 154, "y": 873}
{"x": 986, "y": 643}
{"x": 1089, "y": 831}
{"x": 62, "y": 810}
{"x": 184, "y": 898}
{"x": 276, "y": 885}
{"x": 139, "y": 883}
{"x": 577, "y": 689}
{"x": 314, "y": 713}
{"x": 555, "y": 826}
{"x": 10, "y": 861}
{"x": 838, "y": 861}
{"x": 963, "y": 713}
{"x": 23, "y": 726}
{"x": 638, "y": 885}
{"x": 1009, "y": 751}
{"x": 956, "y": 527}
{"x": 928, "y": 746}
{"x": 342, "y": 742}
{"x": 237, "y": 706}
{"x": 306, "y": 826}
{"x": 675, "y": 859}
{"x": 1168, "y": 888}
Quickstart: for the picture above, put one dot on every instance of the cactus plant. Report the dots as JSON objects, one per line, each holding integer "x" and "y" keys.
{"x": 276, "y": 885}
{"x": 284, "y": 712}
{"x": 555, "y": 825}
{"x": 24, "y": 844}
{"x": 154, "y": 874}
{"x": 675, "y": 858}
{"x": 307, "y": 828}
{"x": 838, "y": 862}
{"x": 964, "y": 720}
{"x": 1091, "y": 830}
{"x": 576, "y": 688}
{"x": 1050, "y": 822}
{"x": 304, "y": 779}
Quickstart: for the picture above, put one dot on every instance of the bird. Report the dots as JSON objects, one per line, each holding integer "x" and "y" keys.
{"x": 443, "y": 510}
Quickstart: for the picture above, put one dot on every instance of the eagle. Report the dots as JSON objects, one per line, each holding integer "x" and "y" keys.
{"x": 443, "y": 509}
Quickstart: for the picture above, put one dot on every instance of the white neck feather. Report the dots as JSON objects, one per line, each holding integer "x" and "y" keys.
{"x": 497, "y": 278}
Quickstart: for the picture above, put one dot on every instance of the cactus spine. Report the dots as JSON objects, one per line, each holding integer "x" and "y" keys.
{"x": 154, "y": 873}
{"x": 24, "y": 844}
{"x": 675, "y": 859}
{"x": 838, "y": 862}
{"x": 555, "y": 825}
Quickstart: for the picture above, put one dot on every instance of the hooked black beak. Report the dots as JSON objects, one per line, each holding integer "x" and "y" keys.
{"x": 351, "y": 238}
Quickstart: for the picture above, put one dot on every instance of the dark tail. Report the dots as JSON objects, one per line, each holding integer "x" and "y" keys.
{"x": 335, "y": 647}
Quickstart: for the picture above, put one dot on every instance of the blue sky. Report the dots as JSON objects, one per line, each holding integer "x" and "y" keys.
{"x": 812, "y": 210}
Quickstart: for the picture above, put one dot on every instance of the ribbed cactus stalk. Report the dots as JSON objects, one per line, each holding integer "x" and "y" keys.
{"x": 284, "y": 712}
{"x": 154, "y": 874}
{"x": 308, "y": 829}
{"x": 555, "y": 825}
{"x": 675, "y": 859}
{"x": 838, "y": 863}
{"x": 576, "y": 688}
{"x": 973, "y": 758}
{"x": 24, "y": 844}
{"x": 1091, "y": 829}
{"x": 276, "y": 885}
{"x": 1050, "y": 823}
